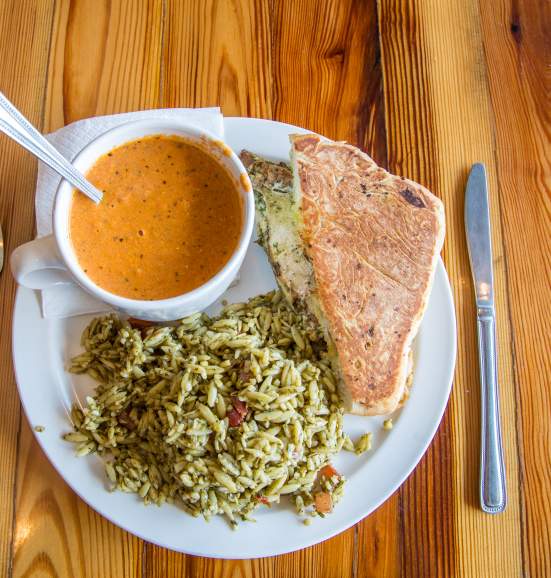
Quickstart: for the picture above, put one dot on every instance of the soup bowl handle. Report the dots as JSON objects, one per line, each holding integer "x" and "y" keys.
{"x": 38, "y": 264}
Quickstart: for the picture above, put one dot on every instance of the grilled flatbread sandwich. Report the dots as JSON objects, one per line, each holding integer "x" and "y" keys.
{"x": 356, "y": 247}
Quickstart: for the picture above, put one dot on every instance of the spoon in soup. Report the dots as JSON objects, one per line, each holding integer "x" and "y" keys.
{"x": 17, "y": 127}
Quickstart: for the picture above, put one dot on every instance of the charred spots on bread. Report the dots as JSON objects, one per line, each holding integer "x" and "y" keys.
{"x": 368, "y": 335}
{"x": 412, "y": 198}
{"x": 363, "y": 187}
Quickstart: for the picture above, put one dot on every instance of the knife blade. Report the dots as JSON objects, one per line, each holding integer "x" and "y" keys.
{"x": 479, "y": 242}
{"x": 493, "y": 495}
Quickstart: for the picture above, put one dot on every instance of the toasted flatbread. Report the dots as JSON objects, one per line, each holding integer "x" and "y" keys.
{"x": 373, "y": 241}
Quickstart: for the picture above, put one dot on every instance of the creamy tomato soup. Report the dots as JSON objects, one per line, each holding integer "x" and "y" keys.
{"x": 169, "y": 220}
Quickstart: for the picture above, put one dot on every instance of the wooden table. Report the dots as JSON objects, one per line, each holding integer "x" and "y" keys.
{"x": 427, "y": 87}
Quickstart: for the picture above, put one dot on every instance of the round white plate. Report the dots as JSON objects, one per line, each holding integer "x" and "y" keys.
{"x": 42, "y": 348}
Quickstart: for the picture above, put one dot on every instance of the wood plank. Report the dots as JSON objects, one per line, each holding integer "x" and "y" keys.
{"x": 56, "y": 534}
{"x": 105, "y": 58}
{"x": 218, "y": 54}
{"x": 327, "y": 74}
{"x": 18, "y": 19}
{"x": 379, "y": 542}
{"x": 438, "y": 125}
{"x": 331, "y": 559}
{"x": 517, "y": 48}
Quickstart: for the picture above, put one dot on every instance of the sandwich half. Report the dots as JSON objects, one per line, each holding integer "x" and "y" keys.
{"x": 357, "y": 248}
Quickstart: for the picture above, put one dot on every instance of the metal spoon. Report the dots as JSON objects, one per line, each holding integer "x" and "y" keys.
{"x": 16, "y": 126}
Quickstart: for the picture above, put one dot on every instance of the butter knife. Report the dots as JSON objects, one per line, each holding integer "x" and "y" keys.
{"x": 493, "y": 494}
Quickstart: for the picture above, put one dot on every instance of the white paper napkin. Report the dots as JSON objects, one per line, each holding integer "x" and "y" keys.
{"x": 69, "y": 300}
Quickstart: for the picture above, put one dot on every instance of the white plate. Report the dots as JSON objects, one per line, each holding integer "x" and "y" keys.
{"x": 41, "y": 349}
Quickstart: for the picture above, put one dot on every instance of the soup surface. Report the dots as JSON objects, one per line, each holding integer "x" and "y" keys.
{"x": 169, "y": 220}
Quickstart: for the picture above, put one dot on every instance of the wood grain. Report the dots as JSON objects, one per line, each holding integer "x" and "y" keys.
{"x": 218, "y": 54}
{"x": 56, "y": 533}
{"x": 23, "y": 74}
{"x": 327, "y": 74}
{"x": 518, "y": 47}
{"x": 106, "y": 58}
{"x": 427, "y": 88}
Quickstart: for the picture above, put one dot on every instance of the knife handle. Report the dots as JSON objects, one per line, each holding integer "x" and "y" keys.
{"x": 493, "y": 495}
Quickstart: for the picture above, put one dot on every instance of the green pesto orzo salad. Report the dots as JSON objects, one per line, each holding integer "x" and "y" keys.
{"x": 222, "y": 415}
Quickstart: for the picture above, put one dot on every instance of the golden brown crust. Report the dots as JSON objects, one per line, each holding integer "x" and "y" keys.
{"x": 373, "y": 239}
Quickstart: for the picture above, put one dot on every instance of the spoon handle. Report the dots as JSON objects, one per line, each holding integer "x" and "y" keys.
{"x": 17, "y": 127}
